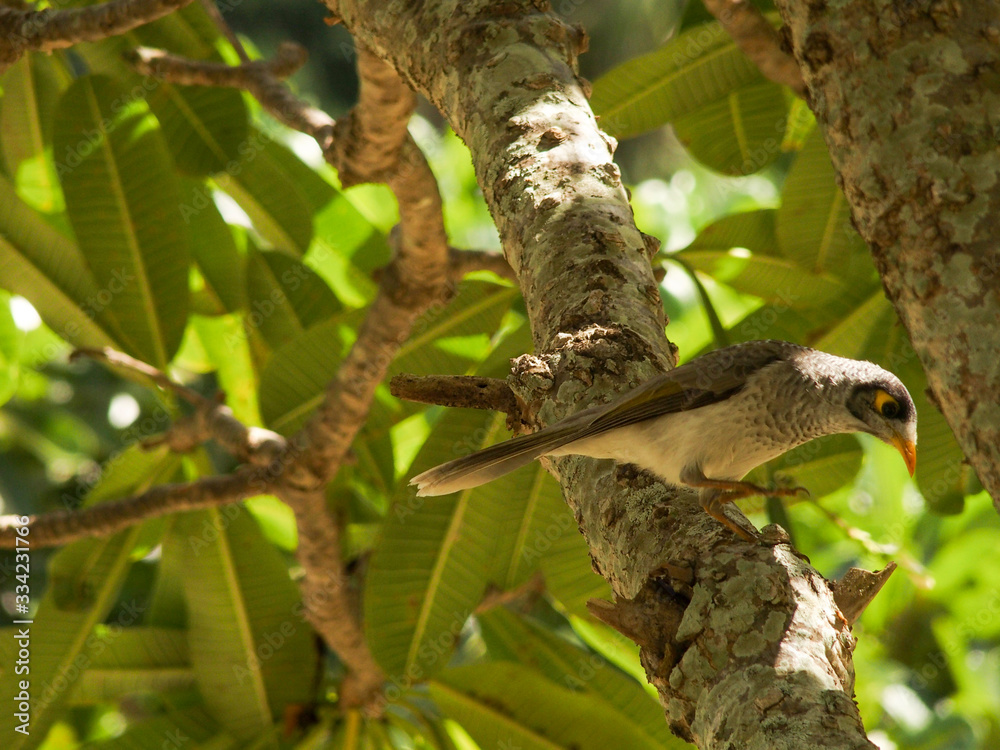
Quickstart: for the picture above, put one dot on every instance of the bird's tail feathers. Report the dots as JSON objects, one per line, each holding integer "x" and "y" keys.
{"x": 488, "y": 464}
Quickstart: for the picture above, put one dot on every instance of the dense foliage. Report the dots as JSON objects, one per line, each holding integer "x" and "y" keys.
{"x": 186, "y": 228}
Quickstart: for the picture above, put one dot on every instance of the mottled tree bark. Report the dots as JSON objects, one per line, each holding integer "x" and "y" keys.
{"x": 908, "y": 98}
{"x": 743, "y": 642}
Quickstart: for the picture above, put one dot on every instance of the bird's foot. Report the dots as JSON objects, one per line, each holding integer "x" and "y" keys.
{"x": 712, "y": 502}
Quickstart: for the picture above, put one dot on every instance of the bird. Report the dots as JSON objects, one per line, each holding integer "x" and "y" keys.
{"x": 709, "y": 422}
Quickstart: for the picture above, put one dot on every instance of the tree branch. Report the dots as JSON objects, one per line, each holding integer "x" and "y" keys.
{"x": 331, "y": 604}
{"x": 759, "y": 41}
{"x": 64, "y": 526}
{"x": 370, "y": 144}
{"x": 262, "y": 78}
{"x": 254, "y": 445}
{"x": 461, "y": 391}
{"x": 771, "y": 666}
{"x": 914, "y": 142}
{"x": 462, "y": 262}
{"x": 45, "y": 30}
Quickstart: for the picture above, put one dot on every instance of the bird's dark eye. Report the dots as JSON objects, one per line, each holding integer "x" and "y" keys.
{"x": 890, "y": 409}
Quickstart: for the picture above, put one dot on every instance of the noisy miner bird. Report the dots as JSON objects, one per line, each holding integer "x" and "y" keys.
{"x": 707, "y": 423}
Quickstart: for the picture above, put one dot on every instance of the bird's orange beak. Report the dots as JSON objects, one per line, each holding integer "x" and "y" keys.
{"x": 908, "y": 450}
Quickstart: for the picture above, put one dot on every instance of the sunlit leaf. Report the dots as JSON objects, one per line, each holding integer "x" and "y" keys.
{"x": 739, "y": 134}
{"x": 699, "y": 67}
{"x": 251, "y": 650}
{"x": 122, "y": 198}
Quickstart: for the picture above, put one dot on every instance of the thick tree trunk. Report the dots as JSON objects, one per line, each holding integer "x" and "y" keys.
{"x": 744, "y": 643}
{"x": 908, "y": 98}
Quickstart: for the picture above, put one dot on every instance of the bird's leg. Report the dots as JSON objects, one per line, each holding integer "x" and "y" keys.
{"x": 717, "y": 492}
{"x": 738, "y": 490}
{"x": 712, "y": 502}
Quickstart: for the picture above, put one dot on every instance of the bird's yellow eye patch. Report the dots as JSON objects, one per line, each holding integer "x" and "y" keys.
{"x": 886, "y": 405}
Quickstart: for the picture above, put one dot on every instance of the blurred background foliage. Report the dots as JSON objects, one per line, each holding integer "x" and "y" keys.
{"x": 187, "y": 631}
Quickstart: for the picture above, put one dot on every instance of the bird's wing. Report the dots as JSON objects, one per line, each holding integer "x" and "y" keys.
{"x": 711, "y": 378}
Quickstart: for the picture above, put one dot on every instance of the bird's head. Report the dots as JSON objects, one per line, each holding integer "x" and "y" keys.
{"x": 883, "y": 405}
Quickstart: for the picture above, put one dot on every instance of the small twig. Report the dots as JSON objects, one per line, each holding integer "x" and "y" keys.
{"x": 254, "y": 445}
{"x": 262, "y": 78}
{"x": 225, "y": 29}
{"x": 910, "y": 564}
{"x": 855, "y": 591}
{"x": 718, "y": 330}
{"x": 759, "y": 41}
{"x": 46, "y": 30}
{"x": 120, "y": 359}
{"x": 462, "y": 262}
{"x": 65, "y": 526}
{"x": 528, "y": 591}
{"x": 461, "y": 391}
{"x": 330, "y": 601}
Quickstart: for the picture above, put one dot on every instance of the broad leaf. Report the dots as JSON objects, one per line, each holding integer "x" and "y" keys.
{"x": 433, "y": 563}
{"x": 698, "y": 68}
{"x": 206, "y": 129}
{"x": 253, "y": 653}
{"x": 84, "y": 580}
{"x": 295, "y": 378}
{"x": 739, "y": 134}
{"x": 753, "y": 230}
{"x": 507, "y": 703}
{"x": 46, "y": 268}
{"x": 264, "y": 184}
{"x": 814, "y": 222}
{"x": 213, "y": 249}
{"x": 134, "y": 660}
{"x": 31, "y": 87}
{"x": 512, "y": 638}
{"x": 284, "y": 297}
{"x": 770, "y": 278}
{"x": 123, "y": 201}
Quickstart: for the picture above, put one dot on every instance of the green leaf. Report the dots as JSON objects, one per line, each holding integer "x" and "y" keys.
{"x": 801, "y": 122}
{"x": 285, "y": 297}
{"x": 738, "y": 134}
{"x": 612, "y": 645}
{"x": 11, "y": 350}
{"x": 295, "y": 378}
{"x": 511, "y": 638}
{"x": 698, "y": 68}
{"x": 763, "y": 276}
{"x": 177, "y": 726}
{"x": 204, "y": 127}
{"x": 565, "y": 560}
{"x": 123, "y": 202}
{"x": 224, "y": 340}
{"x": 814, "y": 222}
{"x": 46, "y": 268}
{"x": 31, "y": 87}
{"x": 264, "y": 184}
{"x": 252, "y": 652}
{"x": 84, "y": 580}
{"x": 522, "y": 503}
{"x": 213, "y": 248}
{"x": 753, "y": 230}
{"x": 505, "y": 705}
{"x": 134, "y": 469}
{"x": 475, "y": 311}
{"x": 432, "y": 566}
{"x": 134, "y": 660}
